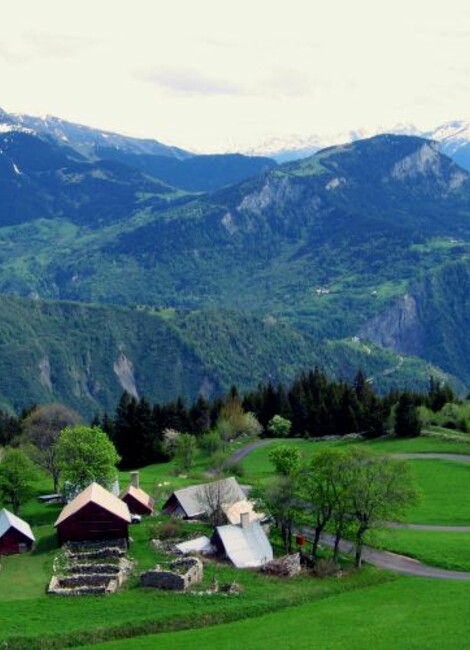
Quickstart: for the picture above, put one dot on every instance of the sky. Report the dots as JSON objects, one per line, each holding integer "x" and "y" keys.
{"x": 213, "y": 75}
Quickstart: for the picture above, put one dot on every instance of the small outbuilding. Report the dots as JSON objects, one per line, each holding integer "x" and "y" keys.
{"x": 94, "y": 514}
{"x": 138, "y": 501}
{"x": 16, "y": 535}
{"x": 246, "y": 546}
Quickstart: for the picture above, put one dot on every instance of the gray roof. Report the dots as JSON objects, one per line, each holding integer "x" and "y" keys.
{"x": 246, "y": 546}
{"x": 9, "y": 520}
{"x": 193, "y": 505}
{"x": 199, "y": 545}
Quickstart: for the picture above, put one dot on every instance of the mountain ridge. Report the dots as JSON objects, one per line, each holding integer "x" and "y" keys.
{"x": 323, "y": 246}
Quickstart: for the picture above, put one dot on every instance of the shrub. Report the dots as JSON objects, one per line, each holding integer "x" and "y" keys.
{"x": 325, "y": 567}
{"x": 167, "y": 530}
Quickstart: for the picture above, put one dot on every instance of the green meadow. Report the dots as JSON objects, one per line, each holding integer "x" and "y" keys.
{"x": 375, "y": 609}
{"x": 406, "y": 613}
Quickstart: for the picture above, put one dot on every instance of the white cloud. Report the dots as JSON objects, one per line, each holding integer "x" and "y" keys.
{"x": 250, "y": 70}
{"x": 186, "y": 81}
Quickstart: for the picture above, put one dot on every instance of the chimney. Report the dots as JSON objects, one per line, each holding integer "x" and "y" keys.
{"x": 135, "y": 479}
{"x": 245, "y": 519}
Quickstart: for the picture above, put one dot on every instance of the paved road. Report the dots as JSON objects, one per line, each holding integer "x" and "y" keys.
{"x": 430, "y": 527}
{"x": 386, "y": 559}
{"x": 391, "y": 561}
{"x": 242, "y": 453}
{"x": 460, "y": 458}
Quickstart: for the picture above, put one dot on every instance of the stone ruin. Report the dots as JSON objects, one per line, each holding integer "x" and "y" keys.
{"x": 286, "y": 566}
{"x": 90, "y": 568}
{"x": 179, "y": 576}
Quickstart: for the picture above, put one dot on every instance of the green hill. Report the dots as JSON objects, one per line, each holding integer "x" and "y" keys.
{"x": 86, "y": 356}
{"x": 324, "y": 248}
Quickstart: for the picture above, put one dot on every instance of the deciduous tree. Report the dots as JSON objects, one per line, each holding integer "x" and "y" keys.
{"x": 381, "y": 489}
{"x": 42, "y": 428}
{"x": 86, "y": 454}
{"x": 17, "y": 476}
{"x": 286, "y": 459}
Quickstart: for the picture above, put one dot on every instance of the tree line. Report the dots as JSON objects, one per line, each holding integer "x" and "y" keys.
{"x": 312, "y": 406}
{"x": 345, "y": 491}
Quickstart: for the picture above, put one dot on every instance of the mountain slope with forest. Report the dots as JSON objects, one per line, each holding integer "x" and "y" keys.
{"x": 323, "y": 247}
{"x": 86, "y": 356}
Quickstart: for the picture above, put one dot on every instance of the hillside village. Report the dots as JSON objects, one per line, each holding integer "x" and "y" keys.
{"x": 243, "y": 513}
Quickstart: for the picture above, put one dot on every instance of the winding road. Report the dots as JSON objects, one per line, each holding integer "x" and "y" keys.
{"x": 386, "y": 559}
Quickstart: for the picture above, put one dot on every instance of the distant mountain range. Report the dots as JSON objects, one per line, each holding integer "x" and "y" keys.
{"x": 356, "y": 256}
{"x": 72, "y": 144}
{"x": 453, "y": 137}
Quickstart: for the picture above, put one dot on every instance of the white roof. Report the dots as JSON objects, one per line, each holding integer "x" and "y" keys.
{"x": 192, "y": 501}
{"x": 198, "y": 545}
{"x": 95, "y": 493}
{"x": 246, "y": 546}
{"x": 9, "y": 520}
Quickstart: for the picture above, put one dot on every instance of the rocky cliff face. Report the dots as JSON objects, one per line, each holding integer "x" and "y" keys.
{"x": 431, "y": 320}
{"x": 398, "y": 328}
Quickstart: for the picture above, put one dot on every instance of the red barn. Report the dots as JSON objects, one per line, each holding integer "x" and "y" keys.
{"x": 138, "y": 501}
{"x": 15, "y": 534}
{"x": 94, "y": 514}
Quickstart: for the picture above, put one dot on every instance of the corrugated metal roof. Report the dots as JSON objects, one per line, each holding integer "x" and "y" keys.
{"x": 139, "y": 495}
{"x": 246, "y": 546}
{"x": 199, "y": 545}
{"x": 9, "y": 520}
{"x": 95, "y": 493}
{"x": 192, "y": 499}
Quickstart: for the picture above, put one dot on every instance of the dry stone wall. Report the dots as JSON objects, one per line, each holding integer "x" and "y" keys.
{"x": 179, "y": 575}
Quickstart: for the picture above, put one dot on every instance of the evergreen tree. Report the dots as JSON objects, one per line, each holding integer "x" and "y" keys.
{"x": 407, "y": 422}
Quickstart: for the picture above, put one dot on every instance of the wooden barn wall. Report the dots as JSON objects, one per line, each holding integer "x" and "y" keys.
{"x": 136, "y": 507}
{"x": 92, "y": 523}
{"x": 11, "y": 540}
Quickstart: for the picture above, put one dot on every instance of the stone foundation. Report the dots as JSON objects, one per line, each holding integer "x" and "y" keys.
{"x": 97, "y": 568}
{"x": 179, "y": 576}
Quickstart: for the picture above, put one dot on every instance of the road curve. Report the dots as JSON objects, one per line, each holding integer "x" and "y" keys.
{"x": 386, "y": 559}
{"x": 391, "y": 561}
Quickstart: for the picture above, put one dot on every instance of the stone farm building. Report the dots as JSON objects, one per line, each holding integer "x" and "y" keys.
{"x": 16, "y": 535}
{"x": 94, "y": 514}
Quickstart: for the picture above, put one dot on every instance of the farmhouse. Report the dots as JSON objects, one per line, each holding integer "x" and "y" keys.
{"x": 94, "y": 514}
{"x": 198, "y": 501}
{"x": 16, "y": 535}
{"x": 138, "y": 501}
{"x": 246, "y": 546}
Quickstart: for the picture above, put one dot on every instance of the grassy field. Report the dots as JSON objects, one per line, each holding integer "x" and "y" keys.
{"x": 442, "y": 549}
{"x": 313, "y": 605}
{"x": 443, "y": 485}
{"x": 408, "y": 613}
{"x": 257, "y": 465}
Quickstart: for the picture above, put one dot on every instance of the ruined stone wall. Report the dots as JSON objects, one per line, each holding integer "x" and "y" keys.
{"x": 179, "y": 575}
